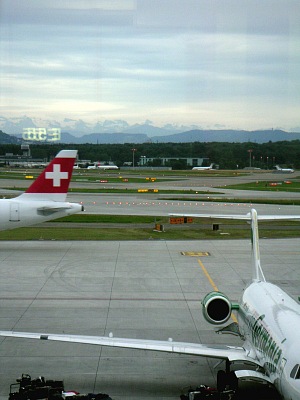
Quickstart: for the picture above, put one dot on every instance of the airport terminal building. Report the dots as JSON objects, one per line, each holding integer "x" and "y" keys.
{"x": 167, "y": 161}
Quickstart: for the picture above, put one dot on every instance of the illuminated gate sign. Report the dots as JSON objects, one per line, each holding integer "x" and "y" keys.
{"x": 42, "y": 134}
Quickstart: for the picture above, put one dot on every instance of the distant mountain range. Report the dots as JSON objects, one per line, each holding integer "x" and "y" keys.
{"x": 119, "y": 131}
{"x": 237, "y": 136}
{"x": 195, "y": 135}
{"x": 8, "y": 139}
{"x": 15, "y": 126}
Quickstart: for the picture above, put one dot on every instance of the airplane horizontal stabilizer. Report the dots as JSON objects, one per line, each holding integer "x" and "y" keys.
{"x": 52, "y": 210}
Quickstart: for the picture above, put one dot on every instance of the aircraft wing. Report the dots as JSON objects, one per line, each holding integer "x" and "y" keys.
{"x": 246, "y": 217}
{"x": 231, "y": 353}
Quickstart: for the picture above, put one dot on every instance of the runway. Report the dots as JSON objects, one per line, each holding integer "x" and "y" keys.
{"x": 144, "y": 289}
{"x": 152, "y": 205}
{"x": 159, "y": 204}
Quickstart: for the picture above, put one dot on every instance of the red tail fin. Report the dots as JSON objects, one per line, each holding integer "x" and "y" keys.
{"x": 55, "y": 179}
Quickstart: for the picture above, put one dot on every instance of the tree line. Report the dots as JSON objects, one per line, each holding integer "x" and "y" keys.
{"x": 225, "y": 155}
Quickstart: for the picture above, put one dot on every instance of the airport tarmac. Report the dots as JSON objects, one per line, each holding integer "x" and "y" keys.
{"x": 123, "y": 204}
{"x": 212, "y": 185}
{"x": 162, "y": 205}
{"x": 145, "y": 289}
{"x": 138, "y": 289}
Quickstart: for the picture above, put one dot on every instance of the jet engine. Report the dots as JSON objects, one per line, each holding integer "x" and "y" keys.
{"x": 216, "y": 308}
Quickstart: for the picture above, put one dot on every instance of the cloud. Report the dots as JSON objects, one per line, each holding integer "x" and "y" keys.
{"x": 193, "y": 61}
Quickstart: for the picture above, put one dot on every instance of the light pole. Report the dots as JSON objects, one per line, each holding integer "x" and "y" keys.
{"x": 250, "y": 153}
{"x": 133, "y": 151}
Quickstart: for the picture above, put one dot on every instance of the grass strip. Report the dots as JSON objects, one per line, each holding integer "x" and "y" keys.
{"x": 136, "y": 233}
{"x": 111, "y": 219}
{"x": 274, "y": 185}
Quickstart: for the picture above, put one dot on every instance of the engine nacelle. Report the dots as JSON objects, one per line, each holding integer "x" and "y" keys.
{"x": 216, "y": 308}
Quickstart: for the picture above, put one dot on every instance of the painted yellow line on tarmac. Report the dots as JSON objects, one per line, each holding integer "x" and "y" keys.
{"x": 208, "y": 276}
{"x": 214, "y": 286}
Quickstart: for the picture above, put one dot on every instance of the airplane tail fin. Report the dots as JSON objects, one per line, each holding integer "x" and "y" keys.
{"x": 53, "y": 182}
{"x": 258, "y": 274}
{"x": 257, "y": 271}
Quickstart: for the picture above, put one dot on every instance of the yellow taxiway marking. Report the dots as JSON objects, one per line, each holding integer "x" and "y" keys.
{"x": 214, "y": 286}
{"x": 195, "y": 254}
{"x": 208, "y": 276}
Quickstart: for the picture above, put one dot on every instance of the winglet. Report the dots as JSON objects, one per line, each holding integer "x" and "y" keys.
{"x": 258, "y": 274}
{"x": 53, "y": 182}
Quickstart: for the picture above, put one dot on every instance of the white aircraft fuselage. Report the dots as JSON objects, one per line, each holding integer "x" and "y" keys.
{"x": 288, "y": 170}
{"x": 203, "y": 168}
{"x": 15, "y": 213}
{"x": 269, "y": 321}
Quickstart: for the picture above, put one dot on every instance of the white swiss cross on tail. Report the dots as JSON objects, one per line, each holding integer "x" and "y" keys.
{"x": 56, "y": 175}
{"x": 53, "y": 183}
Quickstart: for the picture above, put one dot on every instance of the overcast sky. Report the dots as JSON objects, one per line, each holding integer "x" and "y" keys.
{"x": 213, "y": 63}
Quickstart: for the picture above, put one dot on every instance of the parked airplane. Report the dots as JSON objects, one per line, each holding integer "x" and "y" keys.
{"x": 203, "y": 168}
{"x": 45, "y": 199}
{"x": 269, "y": 324}
{"x": 102, "y": 166}
{"x": 106, "y": 167}
{"x": 289, "y": 170}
